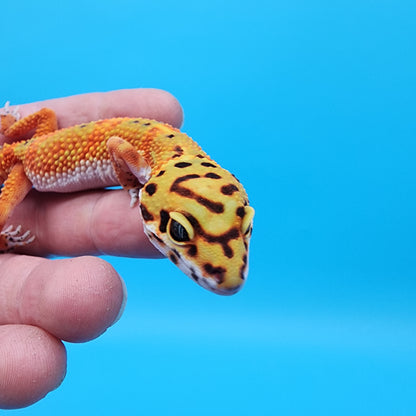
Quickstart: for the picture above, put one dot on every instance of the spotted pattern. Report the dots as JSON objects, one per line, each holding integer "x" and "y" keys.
{"x": 169, "y": 174}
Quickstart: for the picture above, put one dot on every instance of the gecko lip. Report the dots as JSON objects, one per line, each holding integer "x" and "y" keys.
{"x": 211, "y": 285}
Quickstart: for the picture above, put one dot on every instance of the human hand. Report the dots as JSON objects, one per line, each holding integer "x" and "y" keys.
{"x": 44, "y": 301}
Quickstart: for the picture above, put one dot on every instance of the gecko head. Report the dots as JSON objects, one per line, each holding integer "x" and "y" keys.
{"x": 197, "y": 214}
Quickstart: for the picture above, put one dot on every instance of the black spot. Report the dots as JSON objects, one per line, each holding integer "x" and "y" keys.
{"x": 178, "y": 149}
{"x": 241, "y": 212}
{"x": 161, "y": 173}
{"x": 151, "y": 188}
{"x": 173, "y": 258}
{"x": 194, "y": 276}
{"x": 229, "y": 189}
{"x": 135, "y": 121}
{"x": 164, "y": 219}
{"x": 216, "y": 272}
{"x": 212, "y": 175}
{"x": 208, "y": 165}
{"x": 182, "y": 164}
{"x": 200, "y": 156}
{"x": 83, "y": 125}
{"x": 176, "y": 155}
{"x": 147, "y": 124}
{"x": 170, "y": 136}
{"x": 192, "y": 250}
{"x": 147, "y": 216}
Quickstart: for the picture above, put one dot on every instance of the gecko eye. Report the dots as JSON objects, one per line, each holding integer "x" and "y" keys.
{"x": 247, "y": 220}
{"x": 180, "y": 229}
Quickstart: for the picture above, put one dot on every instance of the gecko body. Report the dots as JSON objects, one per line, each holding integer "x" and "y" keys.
{"x": 195, "y": 212}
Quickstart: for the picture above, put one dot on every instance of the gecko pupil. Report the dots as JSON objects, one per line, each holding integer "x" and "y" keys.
{"x": 177, "y": 232}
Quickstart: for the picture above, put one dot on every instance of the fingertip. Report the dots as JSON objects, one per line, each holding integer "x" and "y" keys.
{"x": 32, "y": 364}
{"x": 74, "y": 299}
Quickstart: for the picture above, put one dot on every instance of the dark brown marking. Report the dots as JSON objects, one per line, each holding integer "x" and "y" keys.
{"x": 173, "y": 258}
{"x": 229, "y": 189}
{"x": 135, "y": 121}
{"x": 216, "y": 272}
{"x": 178, "y": 149}
{"x": 241, "y": 212}
{"x": 170, "y": 136}
{"x": 243, "y": 267}
{"x": 176, "y": 253}
{"x": 176, "y": 155}
{"x": 147, "y": 124}
{"x": 249, "y": 230}
{"x": 235, "y": 177}
{"x": 164, "y": 219}
{"x": 213, "y": 206}
{"x": 182, "y": 165}
{"x": 192, "y": 250}
{"x": 161, "y": 173}
{"x": 194, "y": 276}
{"x": 151, "y": 188}
{"x": 184, "y": 178}
{"x": 147, "y": 216}
{"x": 159, "y": 240}
{"x": 200, "y": 156}
{"x": 212, "y": 175}
{"x": 208, "y": 165}
{"x": 223, "y": 239}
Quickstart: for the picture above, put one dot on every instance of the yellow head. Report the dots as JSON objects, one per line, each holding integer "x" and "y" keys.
{"x": 197, "y": 214}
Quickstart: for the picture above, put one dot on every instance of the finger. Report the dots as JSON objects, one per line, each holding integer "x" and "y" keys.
{"x": 97, "y": 222}
{"x": 75, "y": 300}
{"x": 140, "y": 102}
{"x": 28, "y": 353}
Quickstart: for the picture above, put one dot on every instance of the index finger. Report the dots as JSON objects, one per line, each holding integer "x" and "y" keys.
{"x": 138, "y": 102}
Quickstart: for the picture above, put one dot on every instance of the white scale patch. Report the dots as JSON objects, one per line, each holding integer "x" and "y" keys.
{"x": 86, "y": 175}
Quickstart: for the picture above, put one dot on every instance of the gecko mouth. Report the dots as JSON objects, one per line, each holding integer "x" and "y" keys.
{"x": 211, "y": 285}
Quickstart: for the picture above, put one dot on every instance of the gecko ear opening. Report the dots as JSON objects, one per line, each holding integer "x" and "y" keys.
{"x": 179, "y": 229}
{"x": 247, "y": 220}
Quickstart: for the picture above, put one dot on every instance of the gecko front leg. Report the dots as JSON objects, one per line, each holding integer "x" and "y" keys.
{"x": 130, "y": 167}
{"x": 15, "y": 188}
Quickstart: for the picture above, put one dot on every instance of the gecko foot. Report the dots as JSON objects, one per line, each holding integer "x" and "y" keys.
{"x": 134, "y": 196}
{"x": 7, "y": 111}
{"x": 14, "y": 237}
{"x": 8, "y": 117}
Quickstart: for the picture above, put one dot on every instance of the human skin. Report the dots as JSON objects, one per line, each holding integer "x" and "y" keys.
{"x": 45, "y": 301}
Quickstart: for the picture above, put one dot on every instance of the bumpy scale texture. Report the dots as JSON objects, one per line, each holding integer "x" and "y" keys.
{"x": 194, "y": 211}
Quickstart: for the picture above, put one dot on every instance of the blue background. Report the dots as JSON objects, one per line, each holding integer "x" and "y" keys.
{"x": 312, "y": 105}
